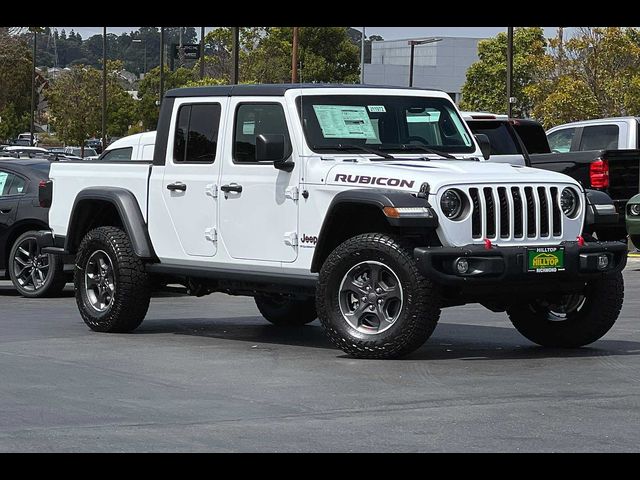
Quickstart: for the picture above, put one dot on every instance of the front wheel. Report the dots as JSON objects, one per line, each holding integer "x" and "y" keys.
{"x": 112, "y": 286}
{"x": 572, "y": 320}
{"x": 34, "y": 274}
{"x": 372, "y": 300}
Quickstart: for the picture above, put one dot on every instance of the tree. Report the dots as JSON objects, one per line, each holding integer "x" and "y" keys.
{"x": 594, "y": 74}
{"x": 326, "y": 54}
{"x": 15, "y": 85}
{"x": 149, "y": 92}
{"x": 485, "y": 88}
{"x": 75, "y": 104}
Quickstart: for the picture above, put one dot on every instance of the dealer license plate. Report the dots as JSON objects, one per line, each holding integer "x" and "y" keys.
{"x": 545, "y": 259}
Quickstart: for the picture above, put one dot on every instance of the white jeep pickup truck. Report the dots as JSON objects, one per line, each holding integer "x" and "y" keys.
{"x": 370, "y": 208}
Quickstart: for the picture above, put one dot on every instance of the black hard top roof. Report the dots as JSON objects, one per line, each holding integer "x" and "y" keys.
{"x": 271, "y": 90}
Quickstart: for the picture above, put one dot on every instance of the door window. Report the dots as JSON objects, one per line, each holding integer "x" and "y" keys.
{"x": 599, "y": 137}
{"x": 196, "y": 137}
{"x": 117, "y": 155}
{"x": 253, "y": 120}
{"x": 11, "y": 184}
{"x": 560, "y": 140}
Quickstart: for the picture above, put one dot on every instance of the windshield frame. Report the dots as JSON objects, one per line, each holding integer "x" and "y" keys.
{"x": 461, "y": 150}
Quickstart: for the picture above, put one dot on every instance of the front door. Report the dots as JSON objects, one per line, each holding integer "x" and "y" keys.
{"x": 258, "y": 203}
{"x": 190, "y": 176}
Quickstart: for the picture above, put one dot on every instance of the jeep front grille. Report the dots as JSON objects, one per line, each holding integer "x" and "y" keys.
{"x": 515, "y": 212}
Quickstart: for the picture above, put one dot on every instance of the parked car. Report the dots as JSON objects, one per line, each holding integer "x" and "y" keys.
{"x": 612, "y": 172}
{"x": 18, "y": 151}
{"x": 27, "y": 136}
{"x": 95, "y": 143}
{"x": 137, "y": 147}
{"x": 33, "y": 274}
{"x": 633, "y": 220}
{"x": 365, "y": 207}
{"x": 89, "y": 153}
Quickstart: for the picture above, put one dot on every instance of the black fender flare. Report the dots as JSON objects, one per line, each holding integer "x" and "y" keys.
{"x": 379, "y": 198}
{"x": 129, "y": 210}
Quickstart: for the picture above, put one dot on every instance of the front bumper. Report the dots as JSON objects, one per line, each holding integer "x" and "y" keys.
{"x": 498, "y": 265}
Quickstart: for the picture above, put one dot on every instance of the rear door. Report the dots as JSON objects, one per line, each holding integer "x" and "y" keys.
{"x": 191, "y": 172}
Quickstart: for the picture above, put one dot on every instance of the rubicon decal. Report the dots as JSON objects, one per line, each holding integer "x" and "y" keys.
{"x": 364, "y": 179}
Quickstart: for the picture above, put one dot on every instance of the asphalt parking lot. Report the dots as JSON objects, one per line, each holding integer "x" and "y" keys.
{"x": 210, "y": 374}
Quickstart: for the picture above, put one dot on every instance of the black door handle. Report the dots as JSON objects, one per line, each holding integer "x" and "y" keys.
{"x": 232, "y": 187}
{"x": 177, "y": 186}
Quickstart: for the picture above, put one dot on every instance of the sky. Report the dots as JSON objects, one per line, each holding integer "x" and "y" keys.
{"x": 388, "y": 33}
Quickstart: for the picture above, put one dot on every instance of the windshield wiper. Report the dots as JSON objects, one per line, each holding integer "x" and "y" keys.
{"x": 404, "y": 146}
{"x": 342, "y": 146}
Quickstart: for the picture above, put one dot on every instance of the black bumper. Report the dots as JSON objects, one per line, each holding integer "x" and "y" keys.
{"x": 498, "y": 265}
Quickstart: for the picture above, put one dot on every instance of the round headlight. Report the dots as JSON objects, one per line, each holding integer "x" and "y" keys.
{"x": 635, "y": 209}
{"x": 451, "y": 204}
{"x": 569, "y": 202}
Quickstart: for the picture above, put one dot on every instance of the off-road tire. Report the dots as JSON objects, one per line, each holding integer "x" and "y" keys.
{"x": 287, "y": 312}
{"x": 132, "y": 284}
{"x": 604, "y": 298}
{"x": 421, "y": 303}
{"x": 55, "y": 280}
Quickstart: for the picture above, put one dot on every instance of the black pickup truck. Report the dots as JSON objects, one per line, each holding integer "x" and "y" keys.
{"x": 611, "y": 172}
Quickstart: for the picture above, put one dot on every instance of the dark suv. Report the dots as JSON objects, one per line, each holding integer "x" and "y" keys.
{"x": 33, "y": 274}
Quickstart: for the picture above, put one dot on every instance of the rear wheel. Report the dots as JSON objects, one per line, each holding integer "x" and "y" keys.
{"x": 286, "y": 311}
{"x": 34, "y": 274}
{"x": 373, "y": 301}
{"x": 112, "y": 286}
{"x": 572, "y": 320}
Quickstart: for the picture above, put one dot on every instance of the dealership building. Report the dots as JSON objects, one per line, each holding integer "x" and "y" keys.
{"x": 442, "y": 65}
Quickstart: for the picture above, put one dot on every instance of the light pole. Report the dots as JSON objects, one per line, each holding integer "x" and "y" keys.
{"x": 161, "y": 65}
{"x": 104, "y": 90}
{"x": 235, "y": 55}
{"x": 139, "y": 40}
{"x": 413, "y": 44}
{"x": 33, "y": 87}
{"x": 201, "y": 52}
{"x": 510, "y": 99}
{"x": 294, "y": 56}
{"x": 362, "y": 57}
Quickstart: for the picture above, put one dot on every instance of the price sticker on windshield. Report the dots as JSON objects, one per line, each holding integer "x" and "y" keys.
{"x": 377, "y": 108}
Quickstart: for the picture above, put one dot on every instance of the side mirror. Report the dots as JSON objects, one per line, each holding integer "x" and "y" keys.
{"x": 484, "y": 144}
{"x": 274, "y": 148}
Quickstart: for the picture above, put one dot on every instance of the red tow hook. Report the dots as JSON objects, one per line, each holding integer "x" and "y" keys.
{"x": 487, "y": 244}
{"x": 580, "y": 239}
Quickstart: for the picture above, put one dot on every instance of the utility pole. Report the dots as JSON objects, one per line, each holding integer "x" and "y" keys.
{"x": 413, "y": 44}
{"x": 161, "y": 65}
{"x": 509, "y": 71}
{"x": 33, "y": 87}
{"x": 235, "y": 47}
{"x": 201, "y": 52}
{"x": 294, "y": 56}
{"x": 180, "y": 49}
{"x": 104, "y": 90}
{"x": 362, "y": 57}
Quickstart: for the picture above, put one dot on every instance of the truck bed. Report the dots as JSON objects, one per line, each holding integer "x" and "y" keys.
{"x": 70, "y": 178}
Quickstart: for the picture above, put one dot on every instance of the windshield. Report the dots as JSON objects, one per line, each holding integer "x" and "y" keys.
{"x": 383, "y": 122}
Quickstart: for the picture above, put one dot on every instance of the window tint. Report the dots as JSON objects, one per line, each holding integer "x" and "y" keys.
{"x": 560, "y": 140}
{"x": 196, "y": 136}
{"x": 11, "y": 184}
{"x": 117, "y": 155}
{"x": 502, "y": 142}
{"x": 599, "y": 137}
{"x": 253, "y": 120}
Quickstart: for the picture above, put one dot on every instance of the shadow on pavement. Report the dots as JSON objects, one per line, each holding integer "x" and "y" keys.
{"x": 449, "y": 341}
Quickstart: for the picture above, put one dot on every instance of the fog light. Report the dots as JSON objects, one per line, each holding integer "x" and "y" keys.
{"x": 462, "y": 265}
{"x": 603, "y": 261}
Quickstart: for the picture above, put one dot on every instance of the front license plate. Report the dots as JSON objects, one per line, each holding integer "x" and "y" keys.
{"x": 545, "y": 259}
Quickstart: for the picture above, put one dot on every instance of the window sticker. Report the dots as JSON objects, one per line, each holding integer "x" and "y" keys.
{"x": 3, "y": 180}
{"x": 344, "y": 121}
{"x": 376, "y": 108}
{"x": 248, "y": 127}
